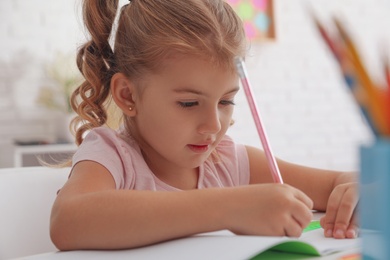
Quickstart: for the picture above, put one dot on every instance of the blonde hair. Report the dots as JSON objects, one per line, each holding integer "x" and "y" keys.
{"x": 147, "y": 32}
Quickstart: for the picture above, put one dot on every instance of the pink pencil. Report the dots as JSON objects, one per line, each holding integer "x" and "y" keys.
{"x": 256, "y": 117}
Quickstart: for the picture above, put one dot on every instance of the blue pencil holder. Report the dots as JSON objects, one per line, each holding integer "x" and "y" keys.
{"x": 374, "y": 207}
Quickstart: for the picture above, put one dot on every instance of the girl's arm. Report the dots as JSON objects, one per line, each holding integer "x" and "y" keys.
{"x": 331, "y": 191}
{"x": 90, "y": 214}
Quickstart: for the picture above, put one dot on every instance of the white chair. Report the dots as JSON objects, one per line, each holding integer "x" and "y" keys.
{"x": 26, "y": 198}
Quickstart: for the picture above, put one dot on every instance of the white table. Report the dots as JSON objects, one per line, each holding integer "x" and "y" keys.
{"x": 182, "y": 249}
{"x": 26, "y": 198}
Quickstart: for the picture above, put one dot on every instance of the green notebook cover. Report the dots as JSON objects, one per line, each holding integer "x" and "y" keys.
{"x": 292, "y": 249}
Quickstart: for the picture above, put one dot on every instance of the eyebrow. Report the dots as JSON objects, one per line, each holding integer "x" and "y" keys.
{"x": 197, "y": 92}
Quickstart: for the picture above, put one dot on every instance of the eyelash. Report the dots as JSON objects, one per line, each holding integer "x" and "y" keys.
{"x": 187, "y": 104}
{"x": 227, "y": 102}
{"x": 195, "y": 103}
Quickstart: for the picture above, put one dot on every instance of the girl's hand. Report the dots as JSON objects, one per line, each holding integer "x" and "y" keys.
{"x": 268, "y": 209}
{"x": 340, "y": 220}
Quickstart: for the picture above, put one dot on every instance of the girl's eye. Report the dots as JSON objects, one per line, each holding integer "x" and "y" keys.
{"x": 227, "y": 102}
{"x": 188, "y": 104}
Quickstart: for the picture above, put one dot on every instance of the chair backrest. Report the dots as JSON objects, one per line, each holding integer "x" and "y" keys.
{"x": 26, "y": 198}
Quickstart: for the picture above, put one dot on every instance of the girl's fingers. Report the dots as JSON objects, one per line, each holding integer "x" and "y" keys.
{"x": 344, "y": 214}
{"x": 304, "y": 199}
{"x": 328, "y": 221}
{"x": 294, "y": 229}
{"x": 353, "y": 228}
{"x": 302, "y": 215}
{"x": 340, "y": 221}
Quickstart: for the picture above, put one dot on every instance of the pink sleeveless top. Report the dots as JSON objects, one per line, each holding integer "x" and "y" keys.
{"x": 122, "y": 156}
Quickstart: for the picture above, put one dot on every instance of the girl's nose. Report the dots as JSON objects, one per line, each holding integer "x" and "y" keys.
{"x": 210, "y": 122}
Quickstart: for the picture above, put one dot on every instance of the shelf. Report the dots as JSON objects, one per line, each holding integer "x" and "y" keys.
{"x": 27, "y": 155}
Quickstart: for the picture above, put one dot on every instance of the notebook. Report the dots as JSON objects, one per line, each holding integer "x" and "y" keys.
{"x": 224, "y": 245}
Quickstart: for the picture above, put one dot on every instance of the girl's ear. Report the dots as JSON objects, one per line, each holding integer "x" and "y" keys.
{"x": 122, "y": 91}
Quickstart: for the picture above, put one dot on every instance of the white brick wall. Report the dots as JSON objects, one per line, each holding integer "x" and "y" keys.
{"x": 308, "y": 113}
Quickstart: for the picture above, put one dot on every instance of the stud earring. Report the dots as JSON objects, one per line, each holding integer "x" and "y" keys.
{"x": 131, "y": 108}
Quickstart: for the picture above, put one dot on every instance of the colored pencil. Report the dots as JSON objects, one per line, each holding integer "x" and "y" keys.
{"x": 277, "y": 177}
{"x": 374, "y": 104}
{"x": 326, "y": 37}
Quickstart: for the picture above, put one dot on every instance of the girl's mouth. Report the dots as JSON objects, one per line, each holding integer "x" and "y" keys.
{"x": 198, "y": 148}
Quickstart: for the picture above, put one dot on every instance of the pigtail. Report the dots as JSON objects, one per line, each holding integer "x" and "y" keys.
{"x": 96, "y": 62}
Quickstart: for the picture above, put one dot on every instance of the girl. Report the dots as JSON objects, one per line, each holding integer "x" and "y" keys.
{"x": 171, "y": 171}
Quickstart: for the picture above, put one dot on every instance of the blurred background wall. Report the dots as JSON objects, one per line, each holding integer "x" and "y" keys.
{"x": 310, "y": 116}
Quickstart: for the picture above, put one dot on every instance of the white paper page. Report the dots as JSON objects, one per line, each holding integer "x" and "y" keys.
{"x": 214, "y": 245}
{"x": 328, "y": 245}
